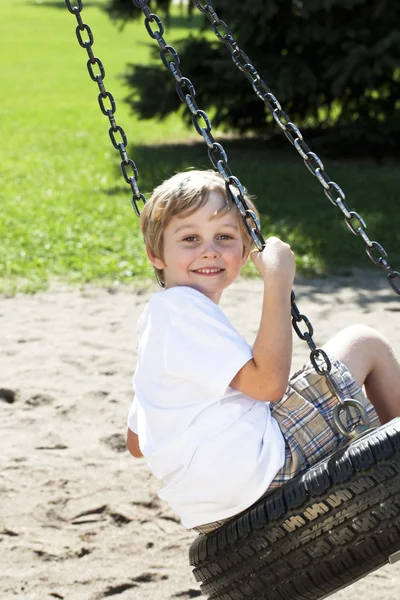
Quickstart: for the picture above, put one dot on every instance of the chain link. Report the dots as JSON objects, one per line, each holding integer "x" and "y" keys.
{"x": 295, "y": 137}
{"x": 201, "y": 122}
{"x": 107, "y": 104}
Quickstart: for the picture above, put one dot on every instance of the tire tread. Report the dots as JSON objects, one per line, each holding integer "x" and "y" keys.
{"x": 320, "y": 532}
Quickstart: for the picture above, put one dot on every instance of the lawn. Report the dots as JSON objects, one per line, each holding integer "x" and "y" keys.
{"x": 66, "y": 212}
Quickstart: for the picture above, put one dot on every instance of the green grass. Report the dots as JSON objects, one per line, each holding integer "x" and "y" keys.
{"x": 65, "y": 209}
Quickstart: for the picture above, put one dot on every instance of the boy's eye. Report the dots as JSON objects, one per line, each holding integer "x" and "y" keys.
{"x": 195, "y": 238}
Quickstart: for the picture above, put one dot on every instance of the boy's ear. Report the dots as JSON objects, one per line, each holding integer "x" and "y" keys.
{"x": 155, "y": 261}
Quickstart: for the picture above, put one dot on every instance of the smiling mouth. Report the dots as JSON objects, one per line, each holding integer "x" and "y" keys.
{"x": 208, "y": 271}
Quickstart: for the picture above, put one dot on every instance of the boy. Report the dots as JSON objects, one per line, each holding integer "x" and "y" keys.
{"x": 214, "y": 417}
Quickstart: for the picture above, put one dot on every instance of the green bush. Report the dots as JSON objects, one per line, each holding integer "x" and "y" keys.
{"x": 332, "y": 64}
{"x": 124, "y": 10}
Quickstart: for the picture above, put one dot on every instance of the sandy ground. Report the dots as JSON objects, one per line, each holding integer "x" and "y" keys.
{"x": 79, "y": 518}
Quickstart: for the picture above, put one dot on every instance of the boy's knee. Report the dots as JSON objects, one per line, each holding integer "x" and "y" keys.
{"x": 363, "y": 343}
{"x": 358, "y": 347}
{"x": 360, "y": 333}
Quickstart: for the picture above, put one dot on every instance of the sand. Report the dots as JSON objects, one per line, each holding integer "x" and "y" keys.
{"x": 80, "y": 518}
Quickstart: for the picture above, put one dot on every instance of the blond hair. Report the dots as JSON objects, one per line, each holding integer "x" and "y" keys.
{"x": 184, "y": 194}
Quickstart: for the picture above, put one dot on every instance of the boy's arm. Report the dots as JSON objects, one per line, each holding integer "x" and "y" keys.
{"x": 132, "y": 443}
{"x": 265, "y": 376}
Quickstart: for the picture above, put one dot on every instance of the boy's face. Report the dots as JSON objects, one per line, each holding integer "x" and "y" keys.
{"x": 202, "y": 252}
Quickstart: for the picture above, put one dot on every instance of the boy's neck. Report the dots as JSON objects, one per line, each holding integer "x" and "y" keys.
{"x": 214, "y": 297}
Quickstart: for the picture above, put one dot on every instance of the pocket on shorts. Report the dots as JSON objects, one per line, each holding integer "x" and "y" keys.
{"x": 303, "y": 427}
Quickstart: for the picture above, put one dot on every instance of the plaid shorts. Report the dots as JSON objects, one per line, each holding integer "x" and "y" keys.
{"x": 305, "y": 418}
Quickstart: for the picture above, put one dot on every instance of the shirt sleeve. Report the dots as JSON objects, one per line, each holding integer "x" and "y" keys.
{"x": 203, "y": 346}
{"x": 132, "y": 417}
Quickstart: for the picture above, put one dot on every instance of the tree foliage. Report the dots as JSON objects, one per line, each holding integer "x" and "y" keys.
{"x": 124, "y": 10}
{"x": 333, "y": 64}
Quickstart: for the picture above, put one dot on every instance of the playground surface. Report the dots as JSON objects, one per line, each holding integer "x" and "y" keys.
{"x": 80, "y": 518}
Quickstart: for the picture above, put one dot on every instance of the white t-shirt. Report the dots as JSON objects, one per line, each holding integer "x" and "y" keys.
{"x": 216, "y": 449}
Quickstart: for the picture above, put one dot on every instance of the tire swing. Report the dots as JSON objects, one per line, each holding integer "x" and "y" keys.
{"x": 330, "y": 526}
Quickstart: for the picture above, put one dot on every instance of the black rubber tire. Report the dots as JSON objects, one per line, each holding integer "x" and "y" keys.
{"x": 316, "y": 534}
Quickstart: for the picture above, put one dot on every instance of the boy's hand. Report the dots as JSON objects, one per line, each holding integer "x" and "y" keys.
{"x": 132, "y": 443}
{"x": 276, "y": 262}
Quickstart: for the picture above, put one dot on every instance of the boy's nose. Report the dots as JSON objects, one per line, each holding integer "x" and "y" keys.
{"x": 210, "y": 252}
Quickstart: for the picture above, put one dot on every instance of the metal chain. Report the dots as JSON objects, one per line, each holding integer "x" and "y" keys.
{"x": 201, "y": 122}
{"x": 333, "y": 192}
{"x": 216, "y": 152}
{"x": 219, "y": 159}
{"x": 107, "y": 105}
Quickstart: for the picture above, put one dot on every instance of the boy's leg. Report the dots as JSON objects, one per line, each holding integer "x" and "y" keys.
{"x": 370, "y": 359}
